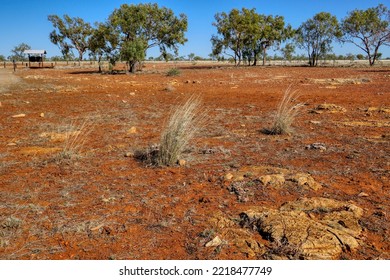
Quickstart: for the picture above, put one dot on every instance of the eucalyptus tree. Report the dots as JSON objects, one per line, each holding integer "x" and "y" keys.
{"x": 140, "y": 27}
{"x": 317, "y": 34}
{"x": 245, "y": 34}
{"x": 272, "y": 31}
{"x": 232, "y": 34}
{"x": 104, "y": 43}
{"x": 18, "y": 51}
{"x": 288, "y": 51}
{"x": 368, "y": 30}
{"x": 70, "y": 33}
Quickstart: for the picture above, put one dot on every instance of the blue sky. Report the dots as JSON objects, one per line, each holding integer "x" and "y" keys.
{"x": 25, "y": 21}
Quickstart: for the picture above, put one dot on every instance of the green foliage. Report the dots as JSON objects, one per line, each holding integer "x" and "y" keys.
{"x": 2, "y": 57}
{"x": 56, "y": 58}
{"x": 143, "y": 26}
{"x": 18, "y": 51}
{"x": 317, "y": 34}
{"x": 133, "y": 52}
{"x": 191, "y": 56}
{"x": 360, "y": 56}
{"x": 173, "y": 72}
{"x": 247, "y": 34}
{"x": 288, "y": 51}
{"x": 368, "y": 29}
{"x": 104, "y": 42}
{"x": 70, "y": 33}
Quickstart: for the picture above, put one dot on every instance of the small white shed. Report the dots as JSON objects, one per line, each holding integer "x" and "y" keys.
{"x": 35, "y": 56}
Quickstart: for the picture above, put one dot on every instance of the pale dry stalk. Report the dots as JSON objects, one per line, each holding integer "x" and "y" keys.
{"x": 184, "y": 121}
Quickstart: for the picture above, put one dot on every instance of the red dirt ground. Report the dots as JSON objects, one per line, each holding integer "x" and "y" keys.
{"x": 100, "y": 204}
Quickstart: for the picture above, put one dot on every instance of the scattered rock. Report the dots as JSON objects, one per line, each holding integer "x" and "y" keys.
{"x": 366, "y": 123}
{"x": 42, "y": 115}
{"x": 369, "y": 111}
{"x": 241, "y": 190}
{"x": 316, "y": 146}
{"x": 132, "y": 130}
{"x": 228, "y": 176}
{"x": 305, "y": 181}
{"x": 275, "y": 180}
{"x": 215, "y": 242}
{"x": 19, "y": 116}
{"x": 192, "y": 82}
{"x": 363, "y": 194}
{"x": 129, "y": 154}
{"x": 315, "y": 122}
{"x": 132, "y": 93}
{"x": 310, "y": 228}
{"x": 240, "y": 239}
{"x": 330, "y": 108}
{"x": 341, "y": 81}
{"x": 272, "y": 177}
{"x": 12, "y": 144}
{"x": 181, "y": 162}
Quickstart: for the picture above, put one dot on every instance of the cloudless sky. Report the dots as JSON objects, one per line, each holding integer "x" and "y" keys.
{"x": 25, "y": 21}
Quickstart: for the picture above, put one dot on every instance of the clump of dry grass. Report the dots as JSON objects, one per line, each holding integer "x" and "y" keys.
{"x": 184, "y": 121}
{"x": 286, "y": 113}
{"x": 75, "y": 137}
{"x": 182, "y": 124}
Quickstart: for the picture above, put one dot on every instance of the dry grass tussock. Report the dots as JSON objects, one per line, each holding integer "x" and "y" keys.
{"x": 286, "y": 113}
{"x": 76, "y": 134}
{"x": 183, "y": 122}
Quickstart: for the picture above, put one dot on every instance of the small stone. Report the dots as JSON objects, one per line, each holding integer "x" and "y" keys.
{"x": 315, "y": 122}
{"x": 181, "y": 162}
{"x": 363, "y": 194}
{"x": 132, "y": 130}
{"x": 19, "y": 116}
{"x": 129, "y": 154}
{"x": 316, "y": 146}
{"x": 42, "y": 115}
{"x": 229, "y": 176}
{"x": 215, "y": 242}
{"x": 11, "y": 144}
{"x": 132, "y": 93}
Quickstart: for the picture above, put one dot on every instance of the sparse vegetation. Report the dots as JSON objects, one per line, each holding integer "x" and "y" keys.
{"x": 182, "y": 125}
{"x": 287, "y": 111}
{"x": 183, "y": 122}
{"x": 173, "y": 72}
{"x": 75, "y": 136}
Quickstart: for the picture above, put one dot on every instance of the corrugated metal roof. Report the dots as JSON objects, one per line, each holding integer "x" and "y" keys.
{"x": 34, "y": 52}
